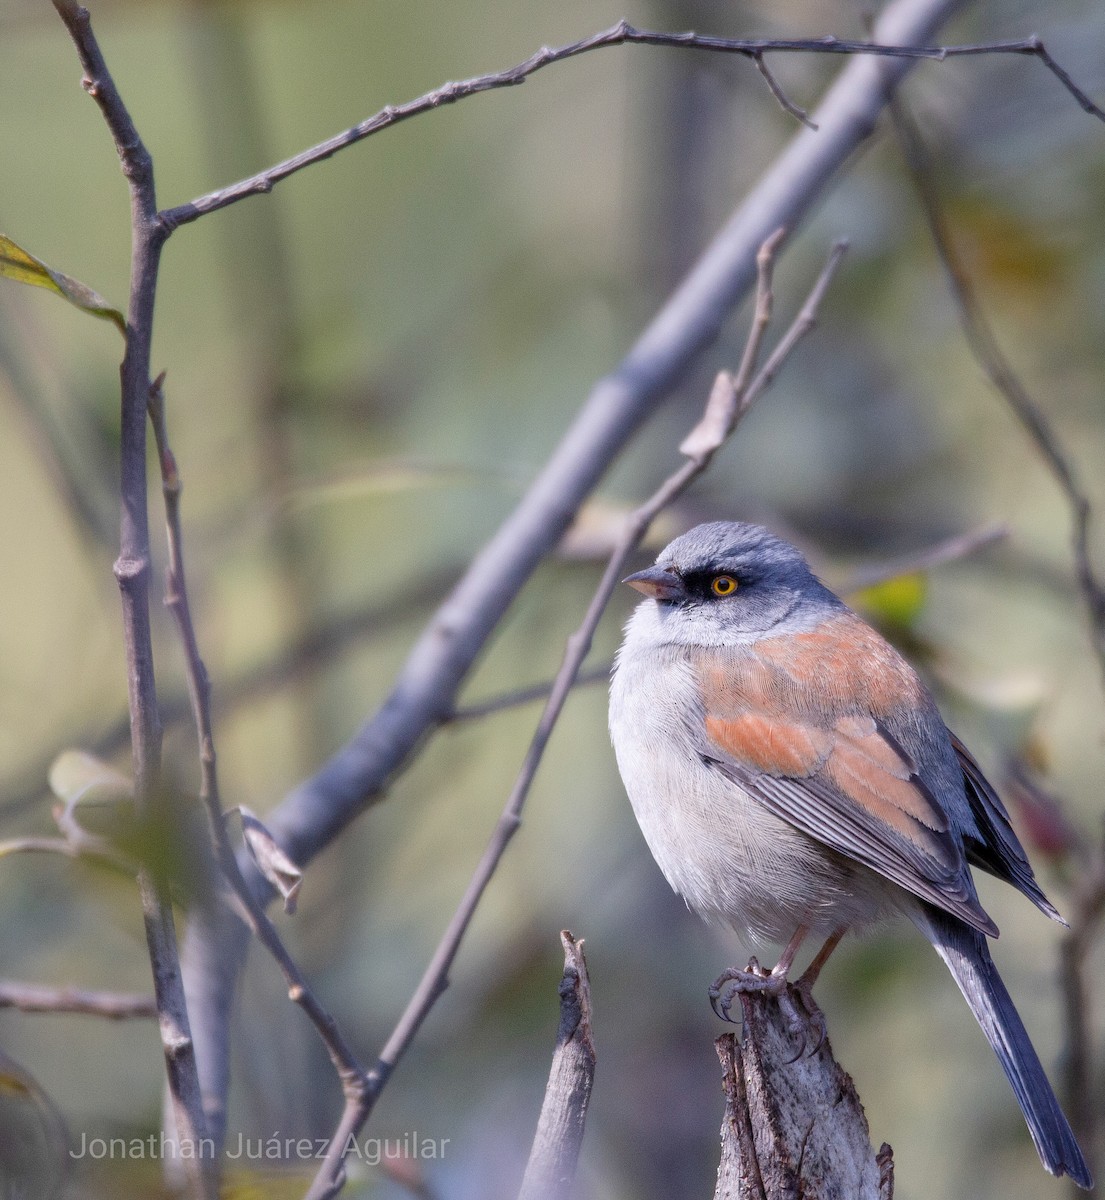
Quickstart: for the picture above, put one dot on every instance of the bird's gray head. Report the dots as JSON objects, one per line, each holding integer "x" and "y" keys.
{"x": 727, "y": 582}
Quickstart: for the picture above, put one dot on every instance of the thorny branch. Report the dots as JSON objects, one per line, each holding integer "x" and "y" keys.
{"x": 617, "y": 35}
{"x": 132, "y": 569}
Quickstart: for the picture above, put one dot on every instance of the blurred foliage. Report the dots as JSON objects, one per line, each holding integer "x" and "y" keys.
{"x": 364, "y": 370}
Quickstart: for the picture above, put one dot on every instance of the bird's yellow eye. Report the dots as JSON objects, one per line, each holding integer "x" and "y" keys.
{"x": 723, "y": 585}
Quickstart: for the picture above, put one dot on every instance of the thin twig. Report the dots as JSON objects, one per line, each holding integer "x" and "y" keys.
{"x": 949, "y": 550}
{"x": 39, "y": 845}
{"x": 1086, "y": 913}
{"x": 952, "y": 549}
{"x": 997, "y": 368}
{"x": 617, "y": 35}
{"x": 116, "y": 1006}
{"x": 132, "y": 569}
{"x": 312, "y": 650}
{"x": 724, "y": 408}
{"x": 330, "y": 638}
{"x": 1088, "y": 902}
{"x": 351, "y": 1074}
{"x": 784, "y": 100}
{"x": 83, "y": 845}
{"x": 519, "y": 696}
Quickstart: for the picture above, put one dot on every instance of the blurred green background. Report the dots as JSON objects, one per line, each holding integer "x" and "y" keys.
{"x": 364, "y": 371}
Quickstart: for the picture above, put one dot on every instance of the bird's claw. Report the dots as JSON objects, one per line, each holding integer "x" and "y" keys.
{"x": 732, "y": 983}
{"x": 753, "y": 979}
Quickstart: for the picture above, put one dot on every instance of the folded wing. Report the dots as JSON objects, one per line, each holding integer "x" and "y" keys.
{"x": 813, "y": 748}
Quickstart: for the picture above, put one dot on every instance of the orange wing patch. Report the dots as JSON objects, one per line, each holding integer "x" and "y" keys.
{"x": 896, "y": 802}
{"x": 770, "y": 745}
{"x": 779, "y": 713}
{"x": 798, "y": 723}
{"x": 847, "y": 663}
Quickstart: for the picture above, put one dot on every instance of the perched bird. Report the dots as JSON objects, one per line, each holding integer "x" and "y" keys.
{"x": 793, "y": 777}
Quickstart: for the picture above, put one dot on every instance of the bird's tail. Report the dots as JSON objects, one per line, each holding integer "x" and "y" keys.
{"x": 967, "y": 956}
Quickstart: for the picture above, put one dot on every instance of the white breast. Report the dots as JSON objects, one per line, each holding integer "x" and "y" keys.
{"x": 718, "y": 847}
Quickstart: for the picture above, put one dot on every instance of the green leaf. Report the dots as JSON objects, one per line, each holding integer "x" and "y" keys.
{"x": 896, "y": 601}
{"x": 17, "y": 264}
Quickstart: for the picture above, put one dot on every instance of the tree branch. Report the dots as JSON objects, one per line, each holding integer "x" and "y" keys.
{"x": 425, "y": 691}
{"x": 556, "y": 1144}
{"x": 351, "y": 1074}
{"x": 312, "y": 650}
{"x": 132, "y": 569}
{"x": 422, "y": 697}
{"x": 1087, "y": 919}
{"x": 116, "y": 1006}
{"x": 794, "y": 1124}
{"x": 617, "y": 35}
{"x": 997, "y": 368}
{"x": 953, "y": 549}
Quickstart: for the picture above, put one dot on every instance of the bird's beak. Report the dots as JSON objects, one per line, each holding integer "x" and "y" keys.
{"x": 658, "y": 584}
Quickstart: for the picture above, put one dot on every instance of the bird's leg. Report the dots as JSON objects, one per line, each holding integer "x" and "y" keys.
{"x": 810, "y": 974}
{"x": 804, "y": 986}
{"x": 786, "y": 959}
{"x": 729, "y": 984}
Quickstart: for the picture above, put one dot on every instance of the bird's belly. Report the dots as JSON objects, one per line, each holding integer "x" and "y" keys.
{"x": 723, "y": 852}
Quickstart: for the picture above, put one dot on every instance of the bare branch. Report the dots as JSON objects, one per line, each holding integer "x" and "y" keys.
{"x": 74, "y": 844}
{"x": 794, "y": 1124}
{"x": 351, "y": 1075}
{"x": 723, "y": 408}
{"x": 425, "y": 690}
{"x": 784, "y": 100}
{"x": 132, "y": 570}
{"x": 1086, "y": 912}
{"x": 617, "y": 35}
{"x": 997, "y": 368}
{"x": 520, "y": 696}
{"x": 313, "y": 650}
{"x": 556, "y": 1144}
{"x": 116, "y": 1006}
{"x": 423, "y": 694}
{"x": 952, "y": 549}
{"x": 949, "y": 550}
{"x": 1048, "y": 827}
{"x": 330, "y": 638}
{"x": 39, "y": 845}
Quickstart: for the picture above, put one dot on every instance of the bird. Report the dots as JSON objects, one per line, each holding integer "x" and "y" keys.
{"x": 794, "y": 778}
